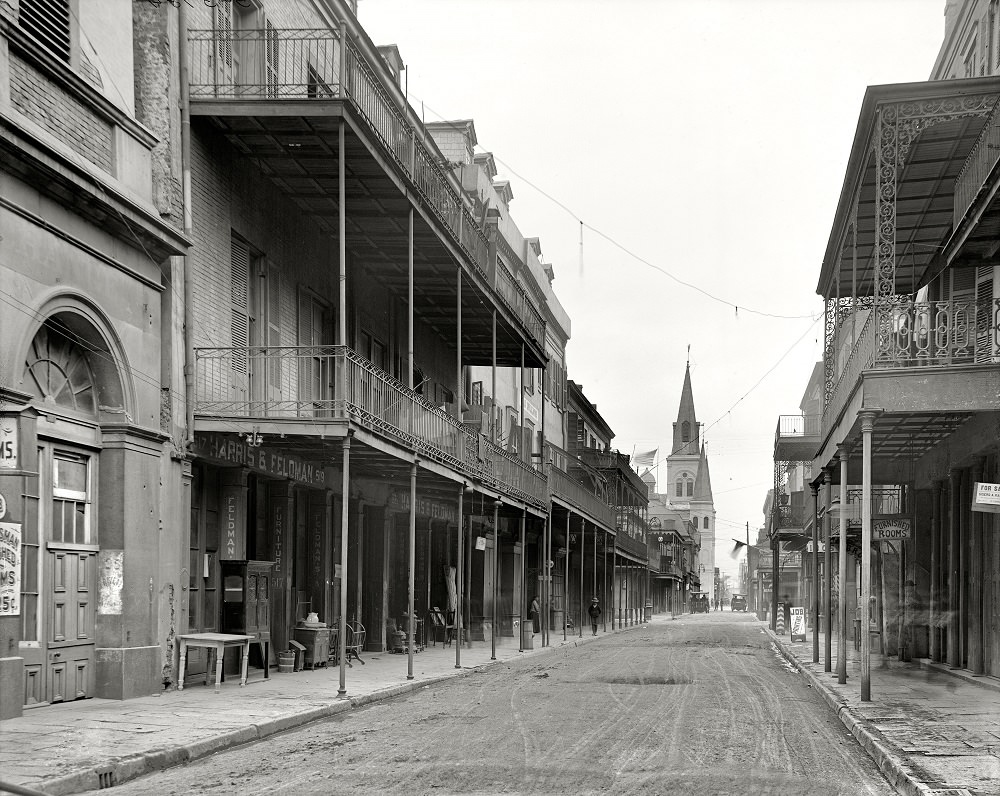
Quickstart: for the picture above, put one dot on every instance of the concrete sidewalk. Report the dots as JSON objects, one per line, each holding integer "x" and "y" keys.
{"x": 97, "y": 743}
{"x": 930, "y": 729}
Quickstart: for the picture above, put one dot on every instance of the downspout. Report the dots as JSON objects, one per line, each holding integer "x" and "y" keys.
{"x": 185, "y": 100}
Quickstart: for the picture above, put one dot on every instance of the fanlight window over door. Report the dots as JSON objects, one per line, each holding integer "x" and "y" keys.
{"x": 58, "y": 370}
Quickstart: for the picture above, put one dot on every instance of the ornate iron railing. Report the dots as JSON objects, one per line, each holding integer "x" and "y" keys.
{"x": 634, "y": 547}
{"x": 263, "y": 64}
{"x": 978, "y": 166}
{"x": 567, "y": 488}
{"x": 325, "y": 383}
{"x": 276, "y": 64}
{"x": 861, "y": 357}
{"x": 798, "y": 425}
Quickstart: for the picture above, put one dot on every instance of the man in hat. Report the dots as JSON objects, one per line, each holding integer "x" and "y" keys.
{"x": 595, "y": 613}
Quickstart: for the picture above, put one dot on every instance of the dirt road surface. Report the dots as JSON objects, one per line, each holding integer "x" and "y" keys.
{"x": 701, "y": 705}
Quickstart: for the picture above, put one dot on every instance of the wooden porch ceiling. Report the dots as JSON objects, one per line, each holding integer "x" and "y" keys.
{"x": 903, "y": 438}
{"x": 299, "y": 154}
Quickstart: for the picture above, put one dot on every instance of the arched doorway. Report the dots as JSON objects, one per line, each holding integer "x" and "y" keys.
{"x": 73, "y": 378}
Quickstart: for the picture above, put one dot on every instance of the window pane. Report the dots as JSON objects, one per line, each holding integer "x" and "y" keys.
{"x": 70, "y": 475}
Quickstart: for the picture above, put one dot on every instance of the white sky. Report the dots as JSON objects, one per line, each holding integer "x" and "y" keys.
{"x": 708, "y": 138}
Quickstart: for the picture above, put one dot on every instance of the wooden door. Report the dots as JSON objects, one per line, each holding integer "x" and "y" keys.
{"x": 71, "y": 624}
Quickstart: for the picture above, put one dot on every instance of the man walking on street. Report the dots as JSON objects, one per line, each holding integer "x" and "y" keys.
{"x": 595, "y": 614}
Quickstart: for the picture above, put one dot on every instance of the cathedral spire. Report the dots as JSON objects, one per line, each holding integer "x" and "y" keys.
{"x": 687, "y": 432}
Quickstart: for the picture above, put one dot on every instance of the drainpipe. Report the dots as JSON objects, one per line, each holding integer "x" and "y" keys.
{"x": 185, "y": 100}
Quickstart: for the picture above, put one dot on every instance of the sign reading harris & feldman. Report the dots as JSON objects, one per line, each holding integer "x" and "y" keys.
{"x": 234, "y": 451}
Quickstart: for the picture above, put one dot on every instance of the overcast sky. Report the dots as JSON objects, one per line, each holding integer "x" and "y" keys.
{"x": 703, "y": 145}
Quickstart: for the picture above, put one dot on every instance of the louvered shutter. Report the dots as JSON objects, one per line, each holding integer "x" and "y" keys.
{"x": 48, "y": 22}
{"x": 271, "y": 60}
{"x": 275, "y": 355}
{"x": 987, "y": 320}
{"x": 239, "y": 327}
{"x": 224, "y": 49}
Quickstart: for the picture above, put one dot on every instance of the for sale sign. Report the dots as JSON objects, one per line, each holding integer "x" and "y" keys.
{"x": 10, "y": 569}
{"x": 986, "y": 497}
{"x": 797, "y": 622}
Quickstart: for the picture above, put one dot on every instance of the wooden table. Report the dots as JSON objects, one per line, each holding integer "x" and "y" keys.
{"x": 218, "y": 642}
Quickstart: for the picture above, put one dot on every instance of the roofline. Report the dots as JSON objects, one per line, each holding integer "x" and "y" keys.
{"x": 860, "y": 149}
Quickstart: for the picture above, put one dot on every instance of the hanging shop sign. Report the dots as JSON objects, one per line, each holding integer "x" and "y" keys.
{"x": 480, "y": 543}
{"x": 234, "y": 451}
{"x": 10, "y": 569}
{"x": 986, "y": 498}
{"x": 8, "y": 443}
{"x": 234, "y": 534}
{"x": 889, "y": 530}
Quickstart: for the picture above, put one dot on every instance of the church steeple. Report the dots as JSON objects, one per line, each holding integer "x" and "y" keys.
{"x": 687, "y": 431}
{"x": 703, "y": 481}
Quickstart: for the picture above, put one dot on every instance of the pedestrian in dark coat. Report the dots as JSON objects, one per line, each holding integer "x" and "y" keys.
{"x": 536, "y": 625}
{"x": 595, "y": 613}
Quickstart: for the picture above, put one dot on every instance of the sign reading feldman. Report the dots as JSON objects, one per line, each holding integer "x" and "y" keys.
{"x": 986, "y": 497}
{"x": 891, "y": 530}
{"x": 10, "y": 568}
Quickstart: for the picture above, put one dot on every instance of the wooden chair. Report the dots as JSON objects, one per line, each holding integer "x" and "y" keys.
{"x": 355, "y": 642}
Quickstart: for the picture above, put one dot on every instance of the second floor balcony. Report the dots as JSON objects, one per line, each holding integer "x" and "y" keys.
{"x": 570, "y": 490}
{"x": 313, "y": 391}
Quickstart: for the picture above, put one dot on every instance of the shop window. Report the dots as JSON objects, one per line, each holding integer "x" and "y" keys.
{"x": 71, "y": 499}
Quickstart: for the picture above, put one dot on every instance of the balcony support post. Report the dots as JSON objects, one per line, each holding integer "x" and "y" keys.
{"x": 954, "y": 563}
{"x": 775, "y": 578}
{"x": 523, "y": 448}
{"x": 409, "y": 302}
{"x": 496, "y": 577}
{"x": 593, "y": 578}
{"x": 412, "y": 564}
{"x": 521, "y": 608}
{"x": 842, "y": 571}
{"x": 867, "y": 427}
{"x": 934, "y": 608}
{"x": 827, "y": 580}
{"x": 547, "y": 566}
{"x": 815, "y": 586}
{"x": 583, "y": 559}
{"x": 345, "y": 494}
{"x": 566, "y": 581}
{"x": 493, "y": 382}
{"x": 459, "y": 585}
{"x": 459, "y": 382}
{"x": 976, "y": 553}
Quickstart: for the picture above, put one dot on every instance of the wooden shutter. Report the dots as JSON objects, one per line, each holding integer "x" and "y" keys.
{"x": 48, "y": 22}
{"x": 987, "y": 332}
{"x": 271, "y": 60}
{"x": 224, "y": 48}
{"x": 240, "y": 315}
{"x": 275, "y": 356}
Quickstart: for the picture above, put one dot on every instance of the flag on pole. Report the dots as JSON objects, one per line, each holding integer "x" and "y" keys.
{"x": 645, "y": 459}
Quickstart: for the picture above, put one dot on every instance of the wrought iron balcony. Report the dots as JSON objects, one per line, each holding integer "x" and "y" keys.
{"x": 298, "y": 67}
{"x": 333, "y": 383}
{"x": 568, "y": 489}
{"x": 634, "y": 547}
{"x": 907, "y": 334}
{"x": 978, "y": 166}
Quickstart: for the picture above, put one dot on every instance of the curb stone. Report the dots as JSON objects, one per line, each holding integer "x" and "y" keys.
{"x": 891, "y": 766}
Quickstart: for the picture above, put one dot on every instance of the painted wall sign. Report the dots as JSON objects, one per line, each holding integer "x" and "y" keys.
{"x": 111, "y": 573}
{"x": 10, "y": 569}
{"x": 234, "y": 528}
{"x": 400, "y": 501}
{"x": 889, "y": 530}
{"x": 8, "y": 444}
{"x": 231, "y": 450}
{"x": 986, "y": 498}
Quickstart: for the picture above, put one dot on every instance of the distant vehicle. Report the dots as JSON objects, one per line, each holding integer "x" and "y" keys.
{"x": 700, "y": 603}
{"x": 739, "y": 602}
